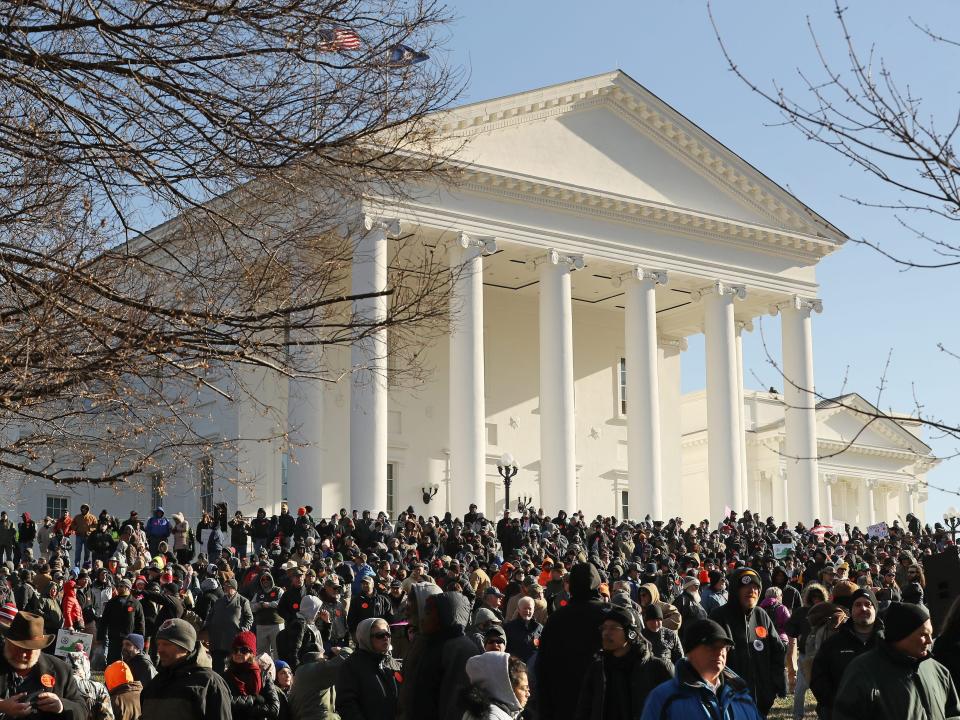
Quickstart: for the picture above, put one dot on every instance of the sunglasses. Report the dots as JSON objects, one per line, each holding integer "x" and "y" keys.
{"x": 382, "y": 635}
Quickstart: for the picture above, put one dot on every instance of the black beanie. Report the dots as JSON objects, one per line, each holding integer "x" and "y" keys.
{"x": 652, "y": 612}
{"x": 863, "y": 593}
{"x": 902, "y": 619}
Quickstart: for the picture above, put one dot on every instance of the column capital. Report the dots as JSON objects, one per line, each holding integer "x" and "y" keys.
{"x": 871, "y": 483}
{"x": 913, "y": 489}
{"x": 672, "y": 342}
{"x": 558, "y": 257}
{"x": 639, "y": 274}
{"x": 742, "y": 325}
{"x": 486, "y": 244}
{"x": 798, "y": 303}
{"x": 830, "y": 479}
{"x": 389, "y": 226}
{"x": 720, "y": 287}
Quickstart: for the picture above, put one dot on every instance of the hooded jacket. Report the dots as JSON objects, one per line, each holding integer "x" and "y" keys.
{"x": 617, "y": 688}
{"x": 367, "y": 687}
{"x": 758, "y": 654}
{"x": 490, "y": 695}
{"x": 671, "y": 616}
{"x": 311, "y": 697}
{"x": 568, "y": 643}
{"x": 266, "y": 601}
{"x": 70, "y": 607}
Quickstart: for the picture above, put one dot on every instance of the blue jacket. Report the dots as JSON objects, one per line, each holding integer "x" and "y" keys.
{"x": 687, "y": 697}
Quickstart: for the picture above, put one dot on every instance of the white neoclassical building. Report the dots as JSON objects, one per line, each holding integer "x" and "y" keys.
{"x": 599, "y": 229}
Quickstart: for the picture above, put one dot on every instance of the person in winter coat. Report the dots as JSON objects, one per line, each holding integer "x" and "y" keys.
{"x": 26, "y": 534}
{"x": 185, "y": 688}
{"x": 8, "y": 538}
{"x": 649, "y": 593}
{"x": 438, "y": 657}
{"x": 898, "y": 678}
{"x": 45, "y": 534}
{"x": 158, "y": 528}
{"x": 83, "y": 525}
{"x": 498, "y": 689}
{"x": 50, "y": 610}
{"x": 715, "y": 593}
{"x": 70, "y": 607}
{"x": 523, "y": 633}
{"x": 367, "y": 686}
{"x": 100, "y": 542}
{"x": 772, "y": 603}
{"x": 94, "y": 693}
{"x": 252, "y": 694}
{"x": 568, "y": 644}
{"x": 688, "y": 603}
{"x": 122, "y": 615}
{"x": 300, "y": 636}
{"x": 367, "y": 603}
{"x": 798, "y": 628}
{"x": 265, "y": 615}
{"x": 181, "y": 538}
{"x": 124, "y": 691}
{"x": 131, "y": 649}
{"x": 860, "y": 633}
{"x": 311, "y": 697}
{"x": 229, "y": 615}
{"x": 757, "y": 655}
{"x": 623, "y": 674}
{"x": 703, "y": 685}
{"x": 664, "y": 643}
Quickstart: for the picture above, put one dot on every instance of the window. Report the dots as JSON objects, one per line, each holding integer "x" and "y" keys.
{"x": 284, "y": 474}
{"x": 391, "y": 489}
{"x": 622, "y": 385}
{"x": 206, "y": 484}
{"x": 156, "y": 490}
{"x": 56, "y": 504}
{"x": 624, "y": 504}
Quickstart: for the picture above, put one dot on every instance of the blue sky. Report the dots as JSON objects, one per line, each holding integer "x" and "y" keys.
{"x": 871, "y": 306}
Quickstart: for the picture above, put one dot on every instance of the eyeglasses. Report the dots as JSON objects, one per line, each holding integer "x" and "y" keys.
{"x": 382, "y": 635}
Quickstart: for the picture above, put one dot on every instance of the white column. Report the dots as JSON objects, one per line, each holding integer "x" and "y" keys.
{"x": 305, "y": 455}
{"x": 829, "y": 481}
{"x": 468, "y": 415}
{"x": 723, "y": 444}
{"x": 741, "y": 416}
{"x": 368, "y": 379}
{"x": 644, "y": 464}
{"x": 871, "y": 486}
{"x": 800, "y": 420}
{"x": 558, "y": 472}
{"x": 912, "y": 499}
{"x": 785, "y": 491}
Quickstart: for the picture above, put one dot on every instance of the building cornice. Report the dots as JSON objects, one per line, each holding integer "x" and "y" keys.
{"x": 671, "y": 219}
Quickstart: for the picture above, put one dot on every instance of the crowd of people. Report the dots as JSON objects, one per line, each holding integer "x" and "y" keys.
{"x": 365, "y": 617}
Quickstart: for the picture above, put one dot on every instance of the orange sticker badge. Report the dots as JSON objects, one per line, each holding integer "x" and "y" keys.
{"x": 47, "y": 680}
{"x": 761, "y": 632}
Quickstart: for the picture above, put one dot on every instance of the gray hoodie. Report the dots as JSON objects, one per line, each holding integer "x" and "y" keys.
{"x": 490, "y": 674}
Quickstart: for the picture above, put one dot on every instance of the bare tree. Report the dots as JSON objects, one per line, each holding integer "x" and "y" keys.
{"x": 254, "y": 129}
{"x": 872, "y": 118}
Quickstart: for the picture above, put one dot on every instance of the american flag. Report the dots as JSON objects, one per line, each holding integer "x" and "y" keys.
{"x": 339, "y": 39}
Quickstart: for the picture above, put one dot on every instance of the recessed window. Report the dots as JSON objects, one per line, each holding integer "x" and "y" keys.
{"x": 391, "y": 490}
{"x": 622, "y": 384}
{"x": 56, "y": 504}
{"x": 624, "y": 504}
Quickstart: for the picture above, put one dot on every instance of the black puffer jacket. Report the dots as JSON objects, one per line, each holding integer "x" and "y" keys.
{"x": 367, "y": 687}
{"x": 627, "y": 680}
{"x": 758, "y": 655}
{"x": 186, "y": 691}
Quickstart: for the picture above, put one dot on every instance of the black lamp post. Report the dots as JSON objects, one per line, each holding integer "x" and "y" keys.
{"x": 507, "y": 470}
{"x": 952, "y": 518}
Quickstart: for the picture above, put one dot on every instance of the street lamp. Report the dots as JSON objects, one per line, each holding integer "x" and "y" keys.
{"x": 507, "y": 470}
{"x": 952, "y": 518}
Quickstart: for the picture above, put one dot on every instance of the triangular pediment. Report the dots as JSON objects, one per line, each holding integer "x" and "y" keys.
{"x": 851, "y": 418}
{"x": 607, "y": 134}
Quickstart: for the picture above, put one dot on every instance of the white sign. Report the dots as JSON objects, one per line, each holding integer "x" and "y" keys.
{"x": 782, "y": 550}
{"x": 69, "y": 641}
{"x": 880, "y": 530}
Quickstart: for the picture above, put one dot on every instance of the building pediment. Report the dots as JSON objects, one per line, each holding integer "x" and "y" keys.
{"x": 610, "y": 141}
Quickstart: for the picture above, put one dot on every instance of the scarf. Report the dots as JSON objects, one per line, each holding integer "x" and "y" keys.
{"x": 245, "y": 677}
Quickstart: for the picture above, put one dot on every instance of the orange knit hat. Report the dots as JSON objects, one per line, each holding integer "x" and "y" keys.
{"x": 117, "y": 674}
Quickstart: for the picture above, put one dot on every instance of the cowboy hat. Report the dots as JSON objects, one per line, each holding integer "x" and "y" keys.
{"x": 26, "y": 631}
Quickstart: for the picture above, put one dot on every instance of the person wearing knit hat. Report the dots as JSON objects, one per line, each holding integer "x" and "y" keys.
{"x": 124, "y": 691}
{"x": 688, "y": 603}
{"x": 185, "y": 688}
{"x": 715, "y": 594}
{"x": 898, "y": 678}
{"x": 856, "y": 636}
{"x": 625, "y": 669}
{"x": 140, "y": 665}
{"x": 8, "y": 611}
{"x": 758, "y": 656}
{"x": 664, "y": 642}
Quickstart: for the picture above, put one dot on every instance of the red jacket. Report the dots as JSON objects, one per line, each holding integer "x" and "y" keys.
{"x": 70, "y": 606}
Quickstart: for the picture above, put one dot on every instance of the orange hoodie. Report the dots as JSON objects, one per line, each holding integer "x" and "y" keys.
{"x": 502, "y": 578}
